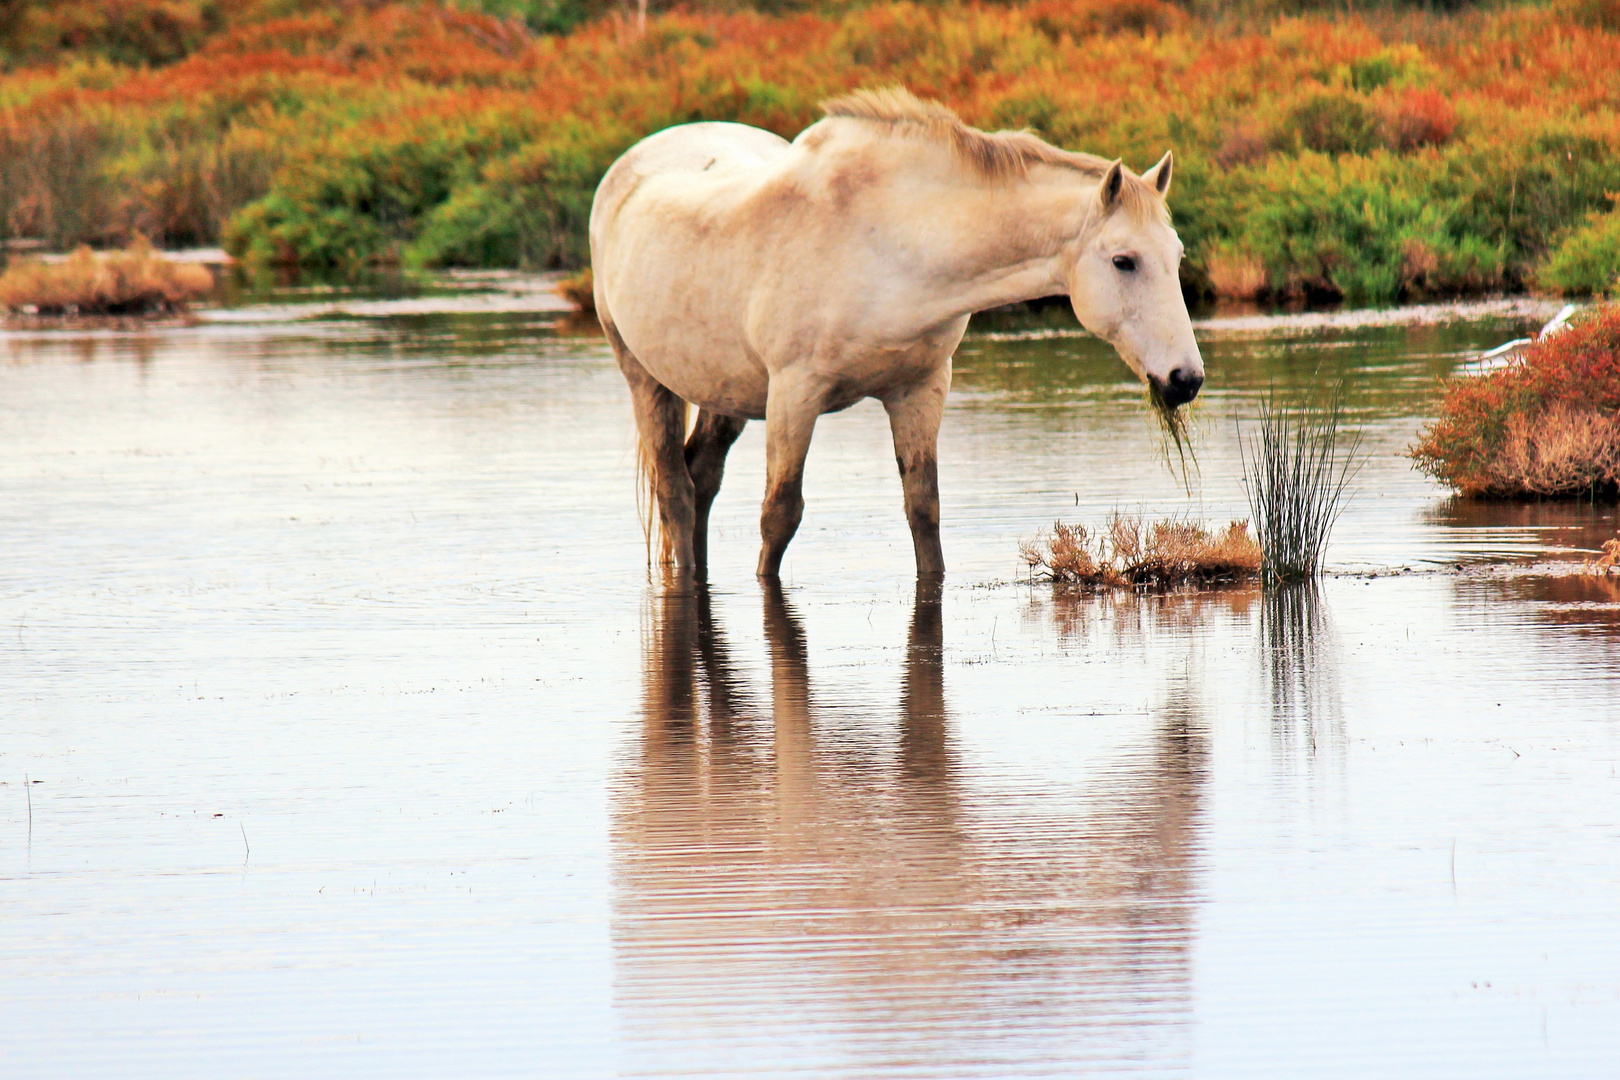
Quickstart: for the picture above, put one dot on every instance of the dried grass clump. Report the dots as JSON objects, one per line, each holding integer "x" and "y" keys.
{"x": 1565, "y": 448}
{"x": 579, "y": 290}
{"x": 1609, "y": 563}
{"x": 1235, "y": 274}
{"x": 138, "y": 281}
{"x": 1134, "y": 553}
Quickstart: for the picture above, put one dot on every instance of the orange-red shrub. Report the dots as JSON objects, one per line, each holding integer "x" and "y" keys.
{"x": 1546, "y": 425}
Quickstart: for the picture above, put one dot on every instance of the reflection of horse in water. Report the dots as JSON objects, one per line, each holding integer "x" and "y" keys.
{"x": 799, "y": 883}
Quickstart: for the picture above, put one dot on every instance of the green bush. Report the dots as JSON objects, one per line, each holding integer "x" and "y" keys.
{"x": 1588, "y": 260}
{"x": 356, "y": 200}
{"x": 530, "y": 209}
{"x": 1331, "y": 123}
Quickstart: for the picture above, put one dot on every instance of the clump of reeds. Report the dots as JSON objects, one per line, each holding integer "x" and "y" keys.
{"x": 1133, "y": 553}
{"x": 137, "y": 281}
{"x": 1297, "y": 471}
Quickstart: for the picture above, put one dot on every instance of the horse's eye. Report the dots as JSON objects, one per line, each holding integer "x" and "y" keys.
{"x": 1124, "y": 263}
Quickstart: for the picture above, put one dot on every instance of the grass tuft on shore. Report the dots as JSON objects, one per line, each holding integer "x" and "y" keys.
{"x": 1133, "y": 553}
{"x": 138, "y": 281}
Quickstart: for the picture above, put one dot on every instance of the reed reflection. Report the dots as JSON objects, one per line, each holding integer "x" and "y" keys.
{"x": 806, "y": 881}
{"x": 1299, "y": 656}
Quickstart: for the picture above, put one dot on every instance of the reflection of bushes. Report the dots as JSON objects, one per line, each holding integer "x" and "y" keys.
{"x": 1131, "y": 552}
{"x": 1315, "y": 159}
{"x": 1547, "y": 425}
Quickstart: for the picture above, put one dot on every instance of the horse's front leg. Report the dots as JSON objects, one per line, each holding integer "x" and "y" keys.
{"x": 914, "y": 418}
{"x": 791, "y": 407}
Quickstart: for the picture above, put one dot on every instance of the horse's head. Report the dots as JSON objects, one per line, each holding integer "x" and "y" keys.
{"x": 1125, "y": 284}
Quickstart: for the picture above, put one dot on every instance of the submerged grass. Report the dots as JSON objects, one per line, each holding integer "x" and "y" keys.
{"x": 1297, "y": 471}
{"x": 133, "y": 282}
{"x": 1131, "y": 552}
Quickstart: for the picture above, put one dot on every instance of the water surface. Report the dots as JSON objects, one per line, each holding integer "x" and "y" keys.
{"x": 358, "y": 741}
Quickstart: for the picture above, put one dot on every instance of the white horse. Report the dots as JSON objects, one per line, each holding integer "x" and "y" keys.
{"x": 762, "y": 279}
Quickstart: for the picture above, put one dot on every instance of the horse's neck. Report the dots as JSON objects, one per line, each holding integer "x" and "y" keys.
{"x": 991, "y": 245}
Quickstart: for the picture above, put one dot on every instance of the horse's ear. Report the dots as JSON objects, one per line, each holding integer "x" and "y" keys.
{"x": 1112, "y": 181}
{"x": 1159, "y": 175}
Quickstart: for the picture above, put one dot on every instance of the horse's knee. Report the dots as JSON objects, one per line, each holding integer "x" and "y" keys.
{"x": 707, "y": 468}
{"x": 923, "y": 516}
{"x": 781, "y": 516}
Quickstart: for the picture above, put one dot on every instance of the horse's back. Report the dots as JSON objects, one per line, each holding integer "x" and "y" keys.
{"x": 708, "y": 153}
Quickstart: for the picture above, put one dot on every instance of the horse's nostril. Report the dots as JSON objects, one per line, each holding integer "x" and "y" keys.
{"x": 1182, "y": 386}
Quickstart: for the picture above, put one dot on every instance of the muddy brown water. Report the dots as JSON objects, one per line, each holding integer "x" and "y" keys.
{"x": 358, "y": 742}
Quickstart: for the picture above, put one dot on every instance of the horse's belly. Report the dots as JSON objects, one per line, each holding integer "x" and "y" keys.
{"x": 736, "y": 388}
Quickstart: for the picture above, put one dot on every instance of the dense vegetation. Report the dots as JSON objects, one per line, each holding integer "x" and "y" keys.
{"x": 1547, "y": 425}
{"x": 1373, "y": 157}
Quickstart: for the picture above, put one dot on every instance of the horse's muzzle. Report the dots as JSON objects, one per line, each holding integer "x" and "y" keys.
{"x": 1182, "y": 386}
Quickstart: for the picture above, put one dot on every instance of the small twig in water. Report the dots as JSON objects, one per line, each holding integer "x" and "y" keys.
{"x": 246, "y": 851}
{"x": 29, "y": 788}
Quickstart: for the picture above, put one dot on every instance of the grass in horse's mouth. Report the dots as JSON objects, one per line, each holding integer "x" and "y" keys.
{"x": 1177, "y": 432}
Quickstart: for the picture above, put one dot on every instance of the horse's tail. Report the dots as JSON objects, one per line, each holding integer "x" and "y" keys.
{"x": 673, "y": 416}
{"x": 652, "y": 530}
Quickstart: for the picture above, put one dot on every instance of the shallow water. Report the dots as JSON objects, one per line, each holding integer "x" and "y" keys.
{"x": 357, "y": 741}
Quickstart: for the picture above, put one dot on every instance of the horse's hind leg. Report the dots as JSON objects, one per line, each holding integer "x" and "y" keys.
{"x": 706, "y": 450}
{"x": 661, "y": 424}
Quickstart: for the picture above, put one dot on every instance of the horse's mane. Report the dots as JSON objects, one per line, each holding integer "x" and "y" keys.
{"x": 998, "y": 155}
